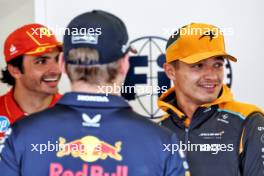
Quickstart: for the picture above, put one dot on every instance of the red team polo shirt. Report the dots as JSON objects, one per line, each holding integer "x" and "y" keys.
{"x": 10, "y": 109}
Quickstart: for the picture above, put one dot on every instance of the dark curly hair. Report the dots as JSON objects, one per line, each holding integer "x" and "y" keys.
{"x": 6, "y": 76}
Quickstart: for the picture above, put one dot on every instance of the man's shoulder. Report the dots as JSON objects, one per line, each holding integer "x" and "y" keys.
{"x": 51, "y": 118}
{"x": 2, "y": 102}
{"x": 3, "y": 110}
{"x": 2, "y": 97}
{"x": 39, "y": 119}
{"x": 243, "y": 109}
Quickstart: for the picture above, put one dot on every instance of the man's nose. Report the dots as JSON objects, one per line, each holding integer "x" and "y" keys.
{"x": 54, "y": 66}
{"x": 210, "y": 73}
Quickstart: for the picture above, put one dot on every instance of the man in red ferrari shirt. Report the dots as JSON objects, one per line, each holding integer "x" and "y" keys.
{"x": 31, "y": 53}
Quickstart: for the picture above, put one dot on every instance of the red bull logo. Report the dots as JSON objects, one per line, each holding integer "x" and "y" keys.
{"x": 89, "y": 149}
{"x": 57, "y": 169}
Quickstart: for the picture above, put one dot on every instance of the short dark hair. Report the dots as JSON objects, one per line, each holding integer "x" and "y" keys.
{"x": 6, "y": 76}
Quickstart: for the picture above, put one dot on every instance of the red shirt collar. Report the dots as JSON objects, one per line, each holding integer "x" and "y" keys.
{"x": 13, "y": 109}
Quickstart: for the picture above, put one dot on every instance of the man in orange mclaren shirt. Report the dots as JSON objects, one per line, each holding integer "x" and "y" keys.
{"x": 220, "y": 136}
{"x": 31, "y": 53}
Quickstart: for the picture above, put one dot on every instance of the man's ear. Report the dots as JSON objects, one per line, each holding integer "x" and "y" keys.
{"x": 14, "y": 71}
{"x": 62, "y": 62}
{"x": 124, "y": 64}
{"x": 169, "y": 70}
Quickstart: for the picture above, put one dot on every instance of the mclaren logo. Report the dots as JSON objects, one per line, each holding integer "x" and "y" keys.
{"x": 209, "y": 34}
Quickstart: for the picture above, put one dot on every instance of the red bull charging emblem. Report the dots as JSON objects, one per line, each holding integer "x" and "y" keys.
{"x": 89, "y": 149}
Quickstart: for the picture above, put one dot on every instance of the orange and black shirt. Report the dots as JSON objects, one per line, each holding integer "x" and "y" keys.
{"x": 224, "y": 137}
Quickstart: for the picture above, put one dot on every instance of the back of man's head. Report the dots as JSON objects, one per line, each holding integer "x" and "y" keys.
{"x": 94, "y": 42}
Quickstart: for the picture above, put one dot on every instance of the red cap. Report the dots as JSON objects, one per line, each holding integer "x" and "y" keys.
{"x": 31, "y": 39}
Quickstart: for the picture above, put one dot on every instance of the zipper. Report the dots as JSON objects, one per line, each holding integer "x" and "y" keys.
{"x": 186, "y": 138}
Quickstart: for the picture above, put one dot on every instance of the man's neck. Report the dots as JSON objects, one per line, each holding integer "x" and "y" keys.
{"x": 187, "y": 107}
{"x": 31, "y": 102}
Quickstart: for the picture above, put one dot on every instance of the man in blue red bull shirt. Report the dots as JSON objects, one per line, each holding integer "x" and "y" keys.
{"x": 92, "y": 130}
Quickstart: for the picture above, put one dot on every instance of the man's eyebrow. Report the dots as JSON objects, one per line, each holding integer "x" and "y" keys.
{"x": 41, "y": 57}
{"x": 220, "y": 58}
{"x": 45, "y": 57}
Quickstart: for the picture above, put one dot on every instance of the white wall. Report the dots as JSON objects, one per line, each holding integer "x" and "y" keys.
{"x": 148, "y": 17}
{"x": 13, "y": 14}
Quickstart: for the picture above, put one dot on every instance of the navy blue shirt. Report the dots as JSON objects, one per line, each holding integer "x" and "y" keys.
{"x": 89, "y": 134}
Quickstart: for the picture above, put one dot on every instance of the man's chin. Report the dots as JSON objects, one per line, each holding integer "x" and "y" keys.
{"x": 209, "y": 100}
{"x": 51, "y": 91}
